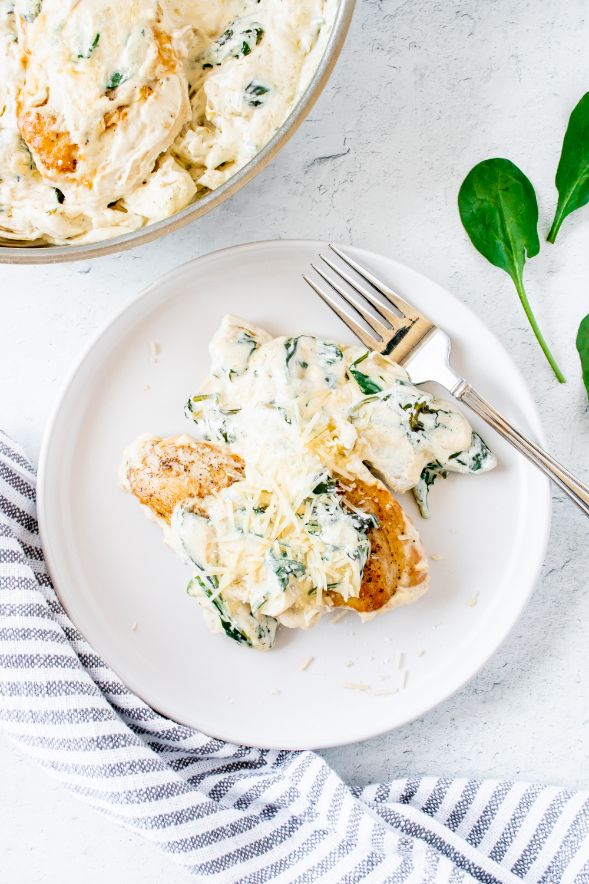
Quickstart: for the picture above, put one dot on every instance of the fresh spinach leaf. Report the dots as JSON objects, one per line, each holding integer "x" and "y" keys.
{"x": 583, "y": 349}
{"x": 572, "y": 175}
{"x": 499, "y": 211}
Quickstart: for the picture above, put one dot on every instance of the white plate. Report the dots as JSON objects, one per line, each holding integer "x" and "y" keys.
{"x": 125, "y": 590}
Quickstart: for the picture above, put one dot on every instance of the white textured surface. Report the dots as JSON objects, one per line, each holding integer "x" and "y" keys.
{"x": 423, "y": 91}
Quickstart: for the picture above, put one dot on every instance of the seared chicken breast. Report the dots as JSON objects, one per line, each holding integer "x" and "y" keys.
{"x": 166, "y": 473}
{"x": 396, "y": 571}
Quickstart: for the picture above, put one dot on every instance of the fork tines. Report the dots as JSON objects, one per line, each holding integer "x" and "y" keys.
{"x": 398, "y": 326}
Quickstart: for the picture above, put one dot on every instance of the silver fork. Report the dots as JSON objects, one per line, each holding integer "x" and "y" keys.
{"x": 411, "y": 339}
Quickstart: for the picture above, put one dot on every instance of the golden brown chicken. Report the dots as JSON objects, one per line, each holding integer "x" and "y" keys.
{"x": 396, "y": 570}
{"x": 52, "y": 146}
{"x": 162, "y": 473}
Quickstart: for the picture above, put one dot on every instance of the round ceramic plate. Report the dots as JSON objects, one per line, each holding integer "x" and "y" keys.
{"x": 341, "y": 681}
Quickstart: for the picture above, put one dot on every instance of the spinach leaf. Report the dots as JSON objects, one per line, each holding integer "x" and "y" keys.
{"x": 255, "y": 92}
{"x": 499, "y": 211}
{"x": 327, "y": 486}
{"x": 583, "y": 349}
{"x": 287, "y": 568}
{"x": 328, "y": 352}
{"x": 364, "y": 522}
{"x": 477, "y": 458}
{"x": 210, "y": 589}
{"x": 225, "y": 37}
{"x": 115, "y": 80}
{"x": 572, "y": 175}
{"x": 250, "y": 38}
{"x": 213, "y": 421}
{"x": 281, "y": 411}
{"x": 429, "y": 474}
{"x": 290, "y": 346}
{"x": 86, "y": 54}
{"x": 261, "y": 628}
{"x": 246, "y": 338}
{"x": 235, "y": 42}
{"x": 419, "y": 408}
{"x": 366, "y": 384}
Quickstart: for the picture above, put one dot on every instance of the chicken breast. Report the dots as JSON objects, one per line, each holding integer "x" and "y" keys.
{"x": 396, "y": 572}
{"x": 163, "y": 473}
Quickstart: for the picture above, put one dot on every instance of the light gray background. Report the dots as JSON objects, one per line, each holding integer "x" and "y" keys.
{"x": 422, "y": 92}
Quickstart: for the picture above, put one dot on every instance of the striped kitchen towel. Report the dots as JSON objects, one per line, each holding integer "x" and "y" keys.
{"x": 235, "y": 814}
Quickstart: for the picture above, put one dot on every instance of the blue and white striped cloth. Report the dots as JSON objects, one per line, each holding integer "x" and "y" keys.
{"x": 235, "y": 814}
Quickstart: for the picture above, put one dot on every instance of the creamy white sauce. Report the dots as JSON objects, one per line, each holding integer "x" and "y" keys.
{"x": 301, "y": 411}
{"x": 161, "y": 101}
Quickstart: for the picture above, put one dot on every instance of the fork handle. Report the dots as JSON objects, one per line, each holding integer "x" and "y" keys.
{"x": 577, "y": 491}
